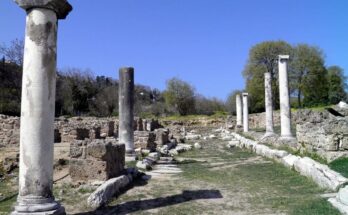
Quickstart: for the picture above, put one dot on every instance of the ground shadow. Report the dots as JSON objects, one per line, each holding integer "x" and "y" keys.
{"x": 133, "y": 206}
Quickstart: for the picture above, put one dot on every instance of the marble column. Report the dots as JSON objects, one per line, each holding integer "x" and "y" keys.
{"x": 284, "y": 97}
{"x": 126, "y": 103}
{"x": 239, "y": 110}
{"x": 245, "y": 112}
{"x": 37, "y": 107}
{"x": 268, "y": 105}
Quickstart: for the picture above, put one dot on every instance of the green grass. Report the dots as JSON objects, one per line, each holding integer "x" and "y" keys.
{"x": 340, "y": 165}
{"x": 10, "y": 196}
{"x": 270, "y": 184}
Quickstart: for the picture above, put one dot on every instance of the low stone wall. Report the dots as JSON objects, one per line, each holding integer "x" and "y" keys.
{"x": 9, "y": 130}
{"x": 71, "y": 129}
{"x": 319, "y": 173}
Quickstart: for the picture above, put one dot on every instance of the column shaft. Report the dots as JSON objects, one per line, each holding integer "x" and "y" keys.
{"x": 126, "y": 103}
{"x": 37, "y": 113}
{"x": 285, "y": 111}
{"x": 239, "y": 110}
{"x": 268, "y": 104}
{"x": 245, "y": 112}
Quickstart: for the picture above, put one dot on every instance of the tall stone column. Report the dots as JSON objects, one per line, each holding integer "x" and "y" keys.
{"x": 268, "y": 105}
{"x": 37, "y": 107}
{"x": 284, "y": 97}
{"x": 126, "y": 103}
{"x": 245, "y": 112}
{"x": 239, "y": 110}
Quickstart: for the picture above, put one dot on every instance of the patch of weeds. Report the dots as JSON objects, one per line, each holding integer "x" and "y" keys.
{"x": 316, "y": 206}
{"x": 131, "y": 164}
{"x": 9, "y": 196}
{"x": 340, "y": 165}
{"x": 246, "y": 135}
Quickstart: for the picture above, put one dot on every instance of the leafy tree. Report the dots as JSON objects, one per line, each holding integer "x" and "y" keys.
{"x": 208, "y": 106}
{"x": 306, "y": 58}
{"x": 180, "y": 95}
{"x": 315, "y": 86}
{"x": 231, "y": 101}
{"x": 263, "y": 58}
{"x": 337, "y": 85}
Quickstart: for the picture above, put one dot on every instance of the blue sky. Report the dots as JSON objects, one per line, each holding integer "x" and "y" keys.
{"x": 205, "y": 42}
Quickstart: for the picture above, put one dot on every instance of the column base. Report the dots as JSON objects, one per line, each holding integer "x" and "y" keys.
{"x": 50, "y": 207}
{"x": 287, "y": 137}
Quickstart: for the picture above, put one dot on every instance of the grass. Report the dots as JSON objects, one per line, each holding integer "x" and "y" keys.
{"x": 271, "y": 184}
{"x": 340, "y": 165}
{"x": 10, "y": 195}
{"x": 247, "y": 183}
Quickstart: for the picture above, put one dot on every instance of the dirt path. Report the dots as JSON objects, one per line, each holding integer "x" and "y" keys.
{"x": 217, "y": 180}
{"x": 213, "y": 180}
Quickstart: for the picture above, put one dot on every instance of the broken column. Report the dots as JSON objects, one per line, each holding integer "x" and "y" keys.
{"x": 37, "y": 107}
{"x": 268, "y": 104}
{"x": 285, "y": 111}
{"x": 239, "y": 110}
{"x": 245, "y": 112}
{"x": 126, "y": 103}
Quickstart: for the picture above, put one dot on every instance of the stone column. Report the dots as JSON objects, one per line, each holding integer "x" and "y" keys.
{"x": 285, "y": 111}
{"x": 239, "y": 110}
{"x": 37, "y": 107}
{"x": 245, "y": 112}
{"x": 268, "y": 105}
{"x": 126, "y": 103}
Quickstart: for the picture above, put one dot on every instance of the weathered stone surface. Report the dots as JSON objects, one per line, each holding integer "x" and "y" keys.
{"x": 108, "y": 190}
{"x": 145, "y": 140}
{"x": 61, "y": 7}
{"x": 321, "y": 174}
{"x": 96, "y": 160}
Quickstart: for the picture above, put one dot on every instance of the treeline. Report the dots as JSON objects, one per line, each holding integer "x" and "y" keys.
{"x": 79, "y": 92}
{"x": 311, "y": 82}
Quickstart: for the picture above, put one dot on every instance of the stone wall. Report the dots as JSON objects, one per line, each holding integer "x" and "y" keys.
{"x": 96, "y": 159}
{"x": 9, "y": 130}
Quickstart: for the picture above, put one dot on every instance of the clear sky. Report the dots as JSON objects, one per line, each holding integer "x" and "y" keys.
{"x": 204, "y": 42}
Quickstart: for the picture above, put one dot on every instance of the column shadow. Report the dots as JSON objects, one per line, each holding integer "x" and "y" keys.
{"x": 140, "y": 205}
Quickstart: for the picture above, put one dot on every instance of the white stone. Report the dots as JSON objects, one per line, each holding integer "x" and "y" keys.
{"x": 268, "y": 104}
{"x": 342, "y": 105}
{"x": 107, "y": 191}
{"x": 284, "y": 97}
{"x": 245, "y": 112}
{"x": 197, "y": 146}
{"x": 239, "y": 110}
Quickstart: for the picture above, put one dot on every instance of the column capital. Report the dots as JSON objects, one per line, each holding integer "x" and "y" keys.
{"x": 245, "y": 94}
{"x": 61, "y": 7}
{"x": 283, "y": 57}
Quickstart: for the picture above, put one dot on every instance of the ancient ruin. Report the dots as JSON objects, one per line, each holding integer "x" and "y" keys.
{"x": 126, "y": 103}
{"x": 37, "y": 111}
{"x": 284, "y": 97}
{"x": 268, "y": 105}
{"x": 245, "y": 112}
{"x": 170, "y": 151}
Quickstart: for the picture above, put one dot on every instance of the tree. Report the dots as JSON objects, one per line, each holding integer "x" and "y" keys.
{"x": 180, "y": 95}
{"x": 337, "y": 85}
{"x": 315, "y": 86}
{"x": 305, "y": 59}
{"x": 11, "y": 77}
{"x": 208, "y": 106}
{"x": 14, "y": 53}
{"x": 231, "y": 101}
{"x": 263, "y": 58}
